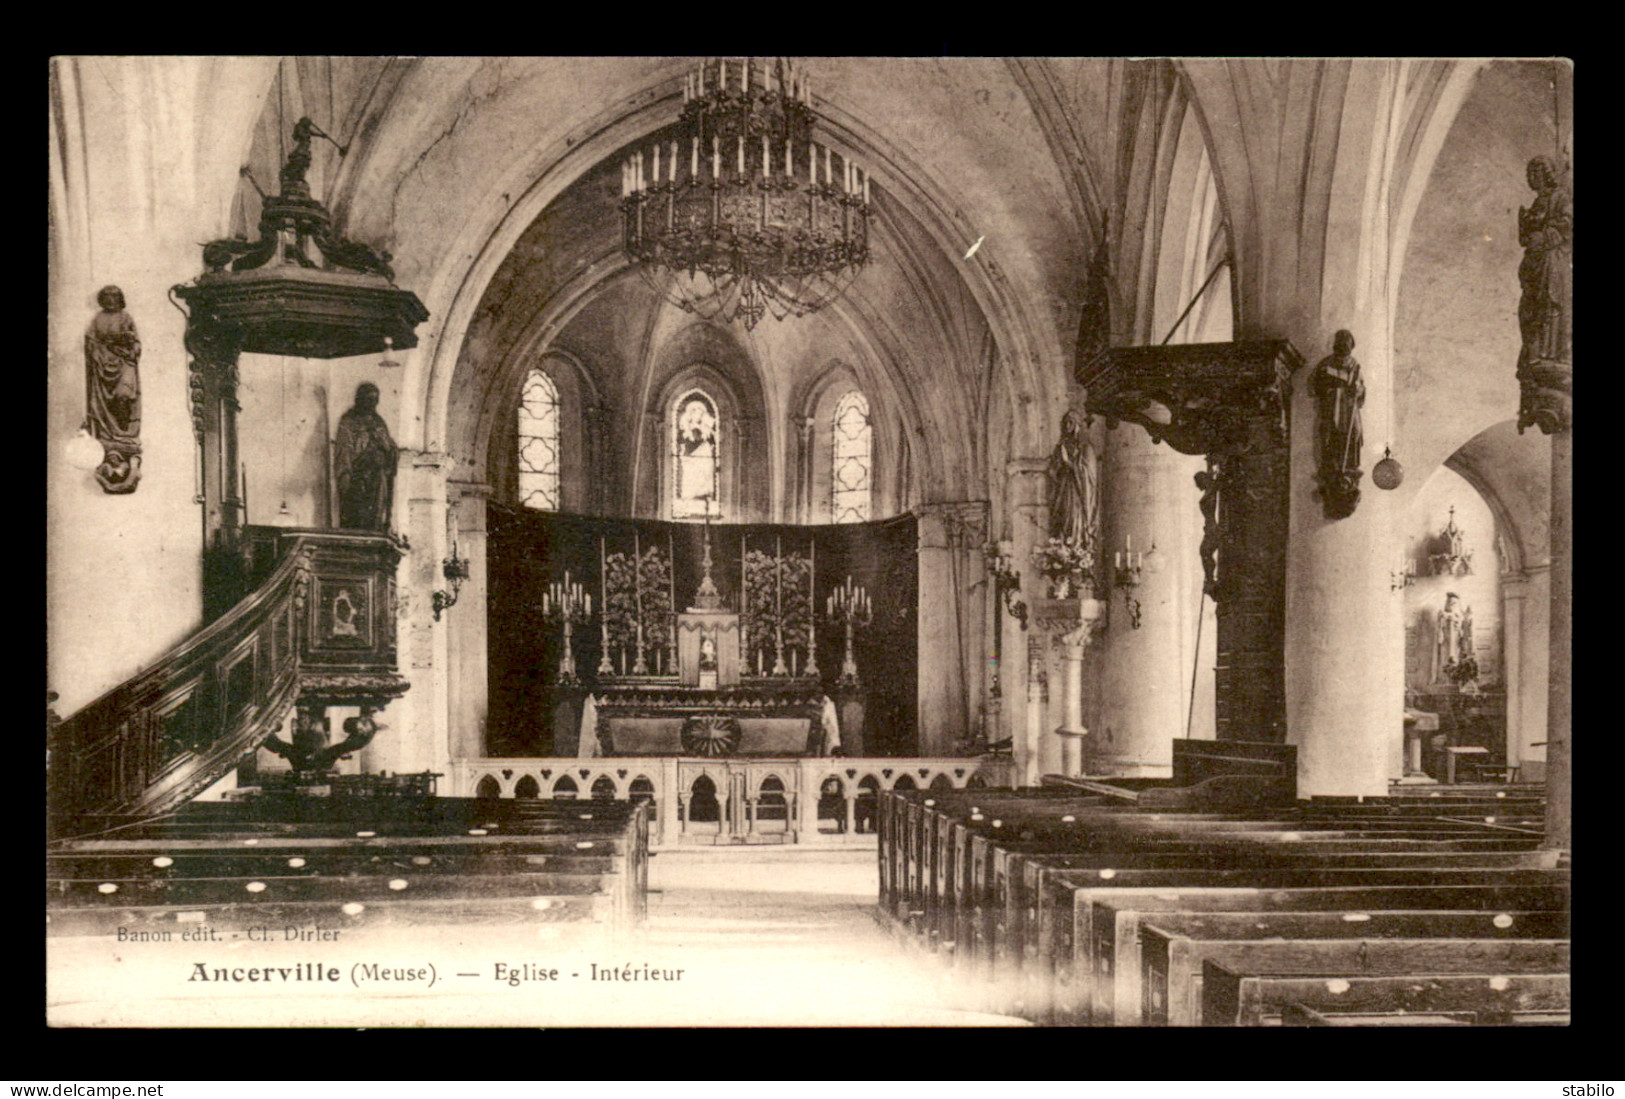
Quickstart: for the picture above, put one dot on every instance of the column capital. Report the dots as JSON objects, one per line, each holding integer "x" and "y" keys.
{"x": 958, "y": 524}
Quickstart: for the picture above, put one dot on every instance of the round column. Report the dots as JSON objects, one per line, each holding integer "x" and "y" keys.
{"x": 1150, "y": 499}
{"x": 1345, "y": 637}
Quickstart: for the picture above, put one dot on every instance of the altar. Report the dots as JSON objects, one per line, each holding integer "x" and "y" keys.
{"x": 619, "y": 638}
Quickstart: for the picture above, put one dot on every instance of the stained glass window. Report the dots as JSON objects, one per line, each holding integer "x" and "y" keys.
{"x": 696, "y": 457}
{"x": 851, "y": 474}
{"x": 538, "y": 430}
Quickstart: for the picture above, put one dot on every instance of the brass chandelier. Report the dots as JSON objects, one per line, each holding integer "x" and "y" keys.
{"x": 737, "y": 213}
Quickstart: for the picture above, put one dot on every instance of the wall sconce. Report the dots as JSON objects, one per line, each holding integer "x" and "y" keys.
{"x": 1129, "y": 569}
{"x": 455, "y": 570}
{"x": 387, "y": 362}
{"x": 1006, "y": 579}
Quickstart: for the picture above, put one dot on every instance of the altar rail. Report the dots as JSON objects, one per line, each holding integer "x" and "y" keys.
{"x": 733, "y": 800}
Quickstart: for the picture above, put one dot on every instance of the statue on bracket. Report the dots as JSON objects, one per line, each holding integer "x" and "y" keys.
{"x": 1072, "y": 510}
{"x": 364, "y": 460}
{"x": 1339, "y": 395}
{"x": 1545, "y": 362}
{"x": 113, "y": 392}
{"x": 1067, "y": 559}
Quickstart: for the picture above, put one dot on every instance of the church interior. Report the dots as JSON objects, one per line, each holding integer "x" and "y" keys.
{"x": 1095, "y": 529}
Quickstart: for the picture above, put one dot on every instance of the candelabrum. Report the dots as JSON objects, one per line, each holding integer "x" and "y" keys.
{"x": 848, "y": 606}
{"x": 1006, "y": 578}
{"x": 567, "y": 604}
{"x": 1128, "y": 568}
{"x": 455, "y": 570}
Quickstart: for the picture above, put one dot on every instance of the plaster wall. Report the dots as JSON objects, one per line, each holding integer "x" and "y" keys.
{"x": 143, "y": 162}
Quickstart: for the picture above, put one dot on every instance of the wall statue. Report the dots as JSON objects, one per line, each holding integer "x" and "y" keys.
{"x": 364, "y": 460}
{"x": 1073, "y": 509}
{"x": 1339, "y": 394}
{"x": 1546, "y": 275}
{"x": 113, "y": 392}
{"x": 1453, "y": 657}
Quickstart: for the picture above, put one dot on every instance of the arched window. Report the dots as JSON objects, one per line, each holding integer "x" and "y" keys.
{"x": 851, "y": 472}
{"x": 538, "y": 431}
{"x": 696, "y": 440}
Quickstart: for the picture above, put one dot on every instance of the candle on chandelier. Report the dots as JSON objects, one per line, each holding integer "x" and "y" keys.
{"x": 716, "y": 158}
{"x": 671, "y": 170}
{"x": 866, "y": 188}
{"x": 656, "y": 156}
{"x": 741, "y": 156}
{"x": 764, "y": 156}
{"x": 694, "y": 159}
{"x": 787, "y": 158}
{"x": 827, "y": 176}
{"x": 812, "y": 164}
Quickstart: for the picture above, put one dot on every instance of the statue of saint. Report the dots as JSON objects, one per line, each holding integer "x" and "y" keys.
{"x": 364, "y": 459}
{"x": 1073, "y": 503}
{"x": 1453, "y": 641}
{"x": 1339, "y": 395}
{"x": 1546, "y": 275}
{"x": 113, "y": 391}
{"x": 1546, "y": 231}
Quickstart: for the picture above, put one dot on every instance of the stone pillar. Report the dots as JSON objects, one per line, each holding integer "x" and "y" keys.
{"x": 1027, "y": 518}
{"x": 465, "y": 623}
{"x": 597, "y": 461}
{"x": 806, "y": 505}
{"x": 1514, "y": 593}
{"x": 1028, "y": 747}
{"x": 1071, "y": 732}
{"x": 1145, "y": 685}
{"x": 1345, "y": 653}
{"x": 952, "y": 616}
{"x": 426, "y": 738}
{"x": 1559, "y": 833}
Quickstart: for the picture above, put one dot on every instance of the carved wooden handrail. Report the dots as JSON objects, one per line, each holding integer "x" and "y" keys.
{"x": 170, "y": 731}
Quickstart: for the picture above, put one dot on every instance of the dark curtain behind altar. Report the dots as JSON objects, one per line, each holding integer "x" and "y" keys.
{"x": 528, "y": 551}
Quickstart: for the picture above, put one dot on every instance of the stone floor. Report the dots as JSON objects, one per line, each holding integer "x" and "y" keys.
{"x": 789, "y": 937}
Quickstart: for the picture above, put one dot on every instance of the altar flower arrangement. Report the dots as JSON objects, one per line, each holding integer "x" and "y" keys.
{"x": 1066, "y": 564}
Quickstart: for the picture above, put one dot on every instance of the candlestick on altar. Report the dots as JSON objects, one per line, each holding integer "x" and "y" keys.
{"x": 671, "y": 618}
{"x": 778, "y": 607}
{"x": 604, "y": 666}
{"x": 812, "y": 616}
{"x": 639, "y": 666}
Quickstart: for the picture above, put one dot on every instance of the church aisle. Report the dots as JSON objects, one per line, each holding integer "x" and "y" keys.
{"x": 788, "y": 937}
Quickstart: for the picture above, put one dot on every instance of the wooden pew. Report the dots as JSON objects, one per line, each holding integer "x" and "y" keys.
{"x": 1114, "y": 970}
{"x": 1066, "y": 914}
{"x": 1173, "y": 948}
{"x": 418, "y": 862}
{"x": 969, "y": 871}
{"x": 1299, "y": 1015}
{"x": 1234, "y": 998}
